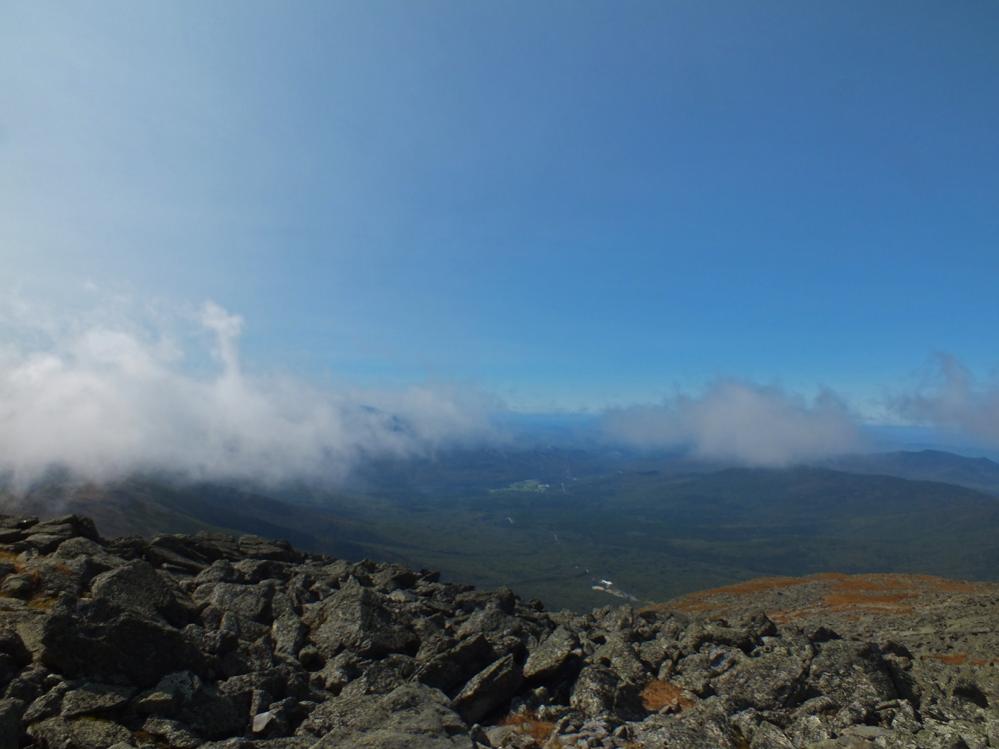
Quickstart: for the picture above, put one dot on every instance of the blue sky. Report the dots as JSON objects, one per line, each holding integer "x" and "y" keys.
{"x": 571, "y": 204}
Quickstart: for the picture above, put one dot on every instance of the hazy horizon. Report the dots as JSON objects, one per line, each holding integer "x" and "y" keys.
{"x": 266, "y": 241}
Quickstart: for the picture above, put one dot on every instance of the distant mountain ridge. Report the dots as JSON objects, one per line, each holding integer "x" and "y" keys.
{"x": 924, "y": 465}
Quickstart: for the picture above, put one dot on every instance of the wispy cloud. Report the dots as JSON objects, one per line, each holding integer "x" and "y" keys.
{"x": 953, "y": 398}
{"x": 104, "y": 396}
{"x": 741, "y": 422}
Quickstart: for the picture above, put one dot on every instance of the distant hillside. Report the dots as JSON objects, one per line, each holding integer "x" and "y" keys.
{"x": 585, "y": 540}
{"x": 145, "y": 506}
{"x": 925, "y": 465}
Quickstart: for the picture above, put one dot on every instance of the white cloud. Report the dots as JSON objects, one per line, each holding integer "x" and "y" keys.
{"x": 104, "y": 396}
{"x": 741, "y": 422}
{"x": 951, "y": 397}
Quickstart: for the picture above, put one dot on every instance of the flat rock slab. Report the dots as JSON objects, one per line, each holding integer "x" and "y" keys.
{"x": 409, "y": 717}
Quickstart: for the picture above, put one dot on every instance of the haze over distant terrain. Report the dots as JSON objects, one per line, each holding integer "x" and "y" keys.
{"x": 263, "y": 243}
{"x": 113, "y": 391}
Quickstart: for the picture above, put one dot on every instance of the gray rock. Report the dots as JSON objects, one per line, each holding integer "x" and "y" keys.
{"x": 288, "y": 634}
{"x": 188, "y": 553}
{"x": 14, "y": 656}
{"x": 18, "y": 586}
{"x": 355, "y": 618}
{"x": 768, "y": 736}
{"x": 410, "y": 717}
{"x": 47, "y": 704}
{"x": 599, "y": 691}
{"x": 107, "y": 647}
{"x": 338, "y": 672}
{"x": 28, "y": 685}
{"x": 267, "y": 722}
{"x": 384, "y": 675}
{"x": 454, "y": 666}
{"x": 78, "y": 733}
{"x": 262, "y": 548}
{"x": 172, "y": 733}
{"x": 500, "y": 735}
{"x": 393, "y": 577}
{"x": 95, "y": 642}
{"x": 488, "y": 690}
{"x": 10, "y": 723}
{"x": 68, "y": 526}
{"x": 43, "y": 542}
{"x": 618, "y": 655}
{"x": 137, "y": 587}
{"x": 247, "y": 602}
{"x": 171, "y": 693}
{"x": 705, "y": 726}
{"x": 504, "y": 631}
{"x": 94, "y": 698}
{"x": 215, "y": 714}
{"x": 772, "y": 678}
{"x": 848, "y": 671}
{"x": 552, "y": 656}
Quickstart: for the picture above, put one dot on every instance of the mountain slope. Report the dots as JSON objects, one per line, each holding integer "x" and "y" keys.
{"x": 654, "y": 535}
{"x": 145, "y": 506}
{"x": 925, "y": 465}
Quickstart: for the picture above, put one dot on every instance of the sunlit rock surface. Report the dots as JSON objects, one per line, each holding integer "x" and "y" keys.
{"x": 191, "y": 641}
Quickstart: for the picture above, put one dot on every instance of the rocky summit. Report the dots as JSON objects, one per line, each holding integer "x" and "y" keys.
{"x": 216, "y": 641}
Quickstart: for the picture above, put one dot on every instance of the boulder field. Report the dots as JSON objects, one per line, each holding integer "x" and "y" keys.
{"x": 230, "y": 643}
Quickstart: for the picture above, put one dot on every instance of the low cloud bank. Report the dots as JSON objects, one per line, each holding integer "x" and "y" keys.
{"x": 106, "y": 399}
{"x": 743, "y": 423}
{"x": 117, "y": 392}
{"x": 952, "y": 397}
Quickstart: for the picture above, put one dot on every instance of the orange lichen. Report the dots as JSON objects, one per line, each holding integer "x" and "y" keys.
{"x": 826, "y": 576}
{"x": 707, "y": 600}
{"x": 861, "y": 584}
{"x": 660, "y": 694}
{"x": 786, "y": 617}
{"x": 758, "y": 585}
{"x": 6, "y": 555}
{"x": 890, "y": 602}
{"x": 950, "y": 659}
{"x": 61, "y": 568}
{"x": 949, "y": 586}
{"x": 41, "y": 602}
{"x": 528, "y": 724}
{"x": 687, "y": 606}
{"x": 849, "y": 596}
